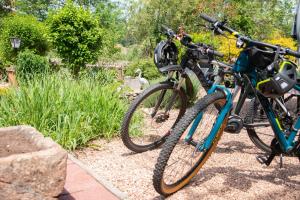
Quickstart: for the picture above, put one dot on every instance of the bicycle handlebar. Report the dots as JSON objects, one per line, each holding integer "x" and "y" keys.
{"x": 170, "y": 33}
{"x": 221, "y": 25}
{"x": 214, "y": 52}
{"x": 206, "y": 48}
{"x": 208, "y": 18}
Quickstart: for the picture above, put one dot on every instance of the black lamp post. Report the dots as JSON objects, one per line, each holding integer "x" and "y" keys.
{"x": 15, "y": 42}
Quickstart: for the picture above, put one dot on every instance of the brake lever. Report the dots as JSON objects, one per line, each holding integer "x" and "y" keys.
{"x": 218, "y": 31}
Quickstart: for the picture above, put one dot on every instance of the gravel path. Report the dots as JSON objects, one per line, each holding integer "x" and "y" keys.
{"x": 232, "y": 172}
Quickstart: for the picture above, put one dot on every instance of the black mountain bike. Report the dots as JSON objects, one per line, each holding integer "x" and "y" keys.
{"x": 152, "y": 115}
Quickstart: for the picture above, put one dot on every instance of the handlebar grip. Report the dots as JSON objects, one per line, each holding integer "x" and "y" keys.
{"x": 168, "y": 31}
{"x": 216, "y": 53}
{"x": 165, "y": 28}
{"x": 208, "y": 18}
{"x": 293, "y": 53}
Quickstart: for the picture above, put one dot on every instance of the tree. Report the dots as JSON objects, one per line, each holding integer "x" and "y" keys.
{"x": 76, "y": 35}
{"x": 112, "y": 22}
{"x": 38, "y": 8}
{"x": 257, "y": 18}
{"x": 6, "y": 7}
{"x": 33, "y": 35}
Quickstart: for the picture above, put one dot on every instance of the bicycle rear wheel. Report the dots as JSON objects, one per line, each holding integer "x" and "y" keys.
{"x": 261, "y": 135}
{"x": 180, "y": 160}
{"x": 147, "y": 123}
{"x": 261, "y": 132}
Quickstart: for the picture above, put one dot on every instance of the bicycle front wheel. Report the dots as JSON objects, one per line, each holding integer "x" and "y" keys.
{"x": 147, "y": 123}
{"x": 181, "y": 159}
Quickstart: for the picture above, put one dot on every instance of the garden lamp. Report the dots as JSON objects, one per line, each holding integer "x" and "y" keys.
{"x": 15, "y": 42}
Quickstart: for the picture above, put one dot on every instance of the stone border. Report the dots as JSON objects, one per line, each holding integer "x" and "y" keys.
{"x": 105, "y": 183}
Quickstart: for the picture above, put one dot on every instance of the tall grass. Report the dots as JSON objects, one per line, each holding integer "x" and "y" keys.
{"x": 72, "y": 112}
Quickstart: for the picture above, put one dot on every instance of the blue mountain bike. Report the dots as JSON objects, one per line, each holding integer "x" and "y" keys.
{"x": 263, "y": 73}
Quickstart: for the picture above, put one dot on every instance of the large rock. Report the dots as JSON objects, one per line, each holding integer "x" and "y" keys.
{"x": 31, "y": 166}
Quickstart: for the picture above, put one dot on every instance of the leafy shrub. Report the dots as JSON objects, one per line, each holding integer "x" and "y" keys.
{"x": 110, "y": 19}
{"x": 29, "y": 64}
{"x": 220, "y": 43}
{"x": 33, "y": 35}
{"x": 228, "y": 46}
{"x": 149, "y": 70}
{"x": 135, "y": 52}
{"x": 278, "y": 38}
{"x": 70, "y": 111}
{"x": 76, "y": 35}
{"x": 4, "y": 91}
{"x": 100, "y": 76}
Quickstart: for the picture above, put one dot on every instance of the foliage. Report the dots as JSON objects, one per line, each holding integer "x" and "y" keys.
{"x": 30, "y": 64}
{"x": 4, "y": 91}
{"x": 111, "y": 21}
{"x": 33, "y": 35}
{"x": 100, "y": 76}
{"x": 246, "y": 16}
{"x": 228, "y": 48}
{"x": 38, "y": 8}
{"x": 277, "y": 39}
{"x": 228, "y": 45}
{"x": 134, "y": 52}
{"x": 5, "y": 6}
{"x": 149, "y": 70}
{"x": 54, "y": 105}
{"x": 76, "y": 35}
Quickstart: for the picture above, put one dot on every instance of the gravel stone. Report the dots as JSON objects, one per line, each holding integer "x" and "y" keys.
{"x": 232, "y": 172}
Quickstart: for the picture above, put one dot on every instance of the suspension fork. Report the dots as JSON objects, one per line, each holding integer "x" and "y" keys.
{"x": 163, "y": 93}
{"x": 161, "y": 96}
{"x": 188, "y": 138}
{"x": 174, "y": 95}
{"x": 222, "y": 114}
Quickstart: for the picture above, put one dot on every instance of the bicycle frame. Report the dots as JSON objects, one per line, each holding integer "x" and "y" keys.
{"x": 223, "y": 113}
{"x": 287, "y": 143}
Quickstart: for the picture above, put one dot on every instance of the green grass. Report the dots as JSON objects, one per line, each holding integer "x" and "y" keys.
{"x": 151, "y": 100}
{"x": 70, "y": 111}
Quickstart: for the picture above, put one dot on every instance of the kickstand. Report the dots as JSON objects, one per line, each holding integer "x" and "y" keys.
{"x": 281, "y": 161}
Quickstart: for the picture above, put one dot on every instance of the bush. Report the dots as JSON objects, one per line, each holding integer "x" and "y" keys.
{"x": 278, "y": 38}
{"x": 76, "y": 35}
{"x": 100, "y": 76}
{"x": 33, "y": 35}
{"x": 70, "y": 111}
{"x": 29, "y": 64}
{"x": 149, "y": 70}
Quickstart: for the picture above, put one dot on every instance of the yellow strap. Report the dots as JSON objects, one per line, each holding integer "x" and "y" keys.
{"x": 278, "y": 123}
{"x": 235, "y": 33}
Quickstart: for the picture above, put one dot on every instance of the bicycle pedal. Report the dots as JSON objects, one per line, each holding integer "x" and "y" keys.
{"x": 265, "y": 159}
{"x": 262, "y": 159}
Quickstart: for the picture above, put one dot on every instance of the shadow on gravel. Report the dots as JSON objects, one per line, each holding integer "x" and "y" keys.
{"x": 243, "y": 179}
{"x": 129, "y": 154}
{"x": 234, "y": 146}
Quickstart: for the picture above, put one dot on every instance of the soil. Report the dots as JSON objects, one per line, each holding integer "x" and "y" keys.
{"x": 14, "y": 143}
